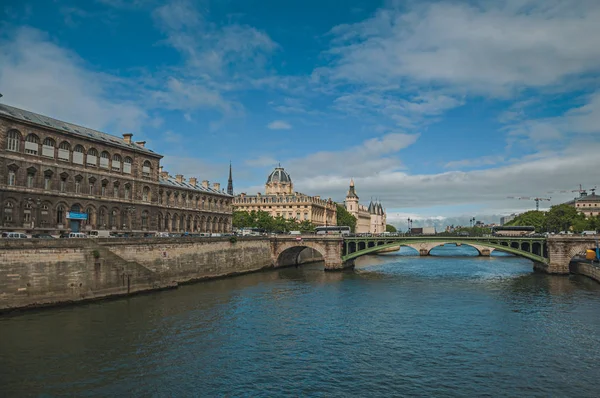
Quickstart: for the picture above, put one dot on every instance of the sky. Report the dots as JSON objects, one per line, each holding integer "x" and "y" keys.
{"x": 439, "y": 109}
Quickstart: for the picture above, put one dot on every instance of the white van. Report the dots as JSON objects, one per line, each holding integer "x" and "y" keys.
{"x": 77, "y": 235}
{"x": 100, "y": 234}
{"x": 295, "y": 233}
{"x": 14, "y": 235}
{"x": 588, "y": 233}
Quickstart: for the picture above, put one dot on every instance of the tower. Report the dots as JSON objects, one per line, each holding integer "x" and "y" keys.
{"x": 352, "y": 200}
{"x": 230, "y": 182}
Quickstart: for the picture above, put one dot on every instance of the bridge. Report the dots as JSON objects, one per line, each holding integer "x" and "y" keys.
{"x": 552, "y": 254}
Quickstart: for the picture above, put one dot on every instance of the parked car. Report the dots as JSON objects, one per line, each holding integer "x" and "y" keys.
{"x": 77, "y": 235}
{"x": 42, "y": 236}
{"x": 14, "y": 235}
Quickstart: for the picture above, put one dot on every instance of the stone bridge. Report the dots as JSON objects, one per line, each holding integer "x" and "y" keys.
{"x": 551, "y": 255}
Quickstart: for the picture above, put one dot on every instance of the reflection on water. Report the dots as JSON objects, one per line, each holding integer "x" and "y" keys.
{"x": 397, "y": 325}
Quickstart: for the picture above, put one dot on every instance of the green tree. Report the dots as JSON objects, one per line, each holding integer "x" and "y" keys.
{"x": 563, "y": 217}
{"x": 306, "y": 226}
{"x": 345, "y": 219}
{"x": 390, "y": 228}
{"x": 532, "y": 218}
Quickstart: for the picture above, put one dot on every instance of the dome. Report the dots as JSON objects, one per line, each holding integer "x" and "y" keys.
{"x": 279, "y": 175}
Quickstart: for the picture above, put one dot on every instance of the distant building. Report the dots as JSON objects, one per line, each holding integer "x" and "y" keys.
{"x": 280, "y": 200}
{"x": 507, "y": 219}
{"x": 371, "y": 219}
{"x": 588, "y": 205}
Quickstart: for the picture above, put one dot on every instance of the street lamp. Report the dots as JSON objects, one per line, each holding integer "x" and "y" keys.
{"x": 409, "y": 224}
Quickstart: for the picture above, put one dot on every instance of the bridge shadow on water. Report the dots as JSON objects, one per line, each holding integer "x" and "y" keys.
{"x": 447, "y": 250}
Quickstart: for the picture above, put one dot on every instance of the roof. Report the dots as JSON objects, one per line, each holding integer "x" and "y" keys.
{"x": 587, "y": 198}
{"x": 45, "y": 121}
{"x": 172, "y": 182}
{"x": 279, "y": 175}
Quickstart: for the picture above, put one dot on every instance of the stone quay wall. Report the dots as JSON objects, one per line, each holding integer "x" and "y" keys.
{"x": 587, "y": 269}
{"x": 35, "y": 273}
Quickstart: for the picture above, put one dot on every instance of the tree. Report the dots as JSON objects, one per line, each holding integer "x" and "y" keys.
{"x": 345, "y": 219}
{"x": 563, "y": 217}
{"x": 532, "y": 218}
{"x": 390, "y": 228}
{"x": 263, "y": 220}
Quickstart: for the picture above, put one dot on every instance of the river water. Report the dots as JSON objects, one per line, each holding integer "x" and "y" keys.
{"x": 395, "y": 326}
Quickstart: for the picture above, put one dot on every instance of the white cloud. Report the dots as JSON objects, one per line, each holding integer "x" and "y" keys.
{"x": 261, "y": 161}
{"x": 476, "y": 162}
{"x": 490, "y": 47}
{"x": 38, "y": 75}
{"x": 279, "y": 125}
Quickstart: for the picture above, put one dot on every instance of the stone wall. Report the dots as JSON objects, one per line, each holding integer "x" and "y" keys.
{"x": 36, "y": 273}
{"x": 587, "y": 269}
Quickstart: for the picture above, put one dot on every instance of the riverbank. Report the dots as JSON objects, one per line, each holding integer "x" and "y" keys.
{"x": 591, "y": 270}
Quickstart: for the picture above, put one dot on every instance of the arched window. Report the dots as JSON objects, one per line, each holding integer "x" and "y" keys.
{"x": 127, "y": 165}
{"x": 146, "y": 169}
{"x": 13, "y": 139}
{"x": 101, "y": 217}
{"x": 78, "y": 154}
{"x": 92, "y": 157}
{"x": 48, "y": 147}
{"x": 146, "y": 194}
{"x": 90, "y": 213}
{"x": 104, "y": 160}
{"x": 116, "y": 162}
{"x": 60, "y": 214}
{"x": 32, "y": 143}
{"x": 145, "y": 219}
{"x": 160, "y": 197}
{"x": 64, "y": 150}
{"x": 30, "y": 182}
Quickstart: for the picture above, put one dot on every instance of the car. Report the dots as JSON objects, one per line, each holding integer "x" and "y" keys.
{"x": 42, "y": 236}
{"x": 14, "y": 235}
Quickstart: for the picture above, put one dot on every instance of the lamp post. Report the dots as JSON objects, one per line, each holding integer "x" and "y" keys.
{"x": 409, "y": 225}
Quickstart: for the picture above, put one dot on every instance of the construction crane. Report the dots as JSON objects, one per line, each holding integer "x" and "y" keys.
{"x": 537, "y": 200}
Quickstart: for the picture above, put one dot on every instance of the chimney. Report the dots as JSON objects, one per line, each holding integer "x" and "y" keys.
{"x": 164, "y": 174}
{"x": 193, "y": 181}
{"x": 216, "y": 186}
{"x": 179, "y": 177}
{"x": 205, "y": 183}
{"x": 127, "y": 137}
{"x": 141, "y": 143}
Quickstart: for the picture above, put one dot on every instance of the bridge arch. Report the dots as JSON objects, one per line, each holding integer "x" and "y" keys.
{"x": 286, "y": 251}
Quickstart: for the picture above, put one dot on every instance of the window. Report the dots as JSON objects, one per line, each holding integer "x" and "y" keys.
{"x": 112, "y": 219}
{"x": 146, "y": 194}
{"x": 146, "y": 169}
{"x": 78, "y": 154}
{"x": 92, "y": 185}
{"x": 48, "y": 148}
{"x": 32, "y": 144}
{"x": 11, "y": 178}
{"x": 89, "y": 213}
{"x": 103, "y": 189}
{"x": 12, "y": 141}
{"x": 116, "y": 190}
{"x": 116, "y": 162}
{"x": 78, "y": 185}
{"x": 127, "y": 191}
{"x": 127, "y": 165}
{"x": 160, "y": 197}
{"x": 8, "y": 209}
{"x": 306, "y": 216}
{"x": 63, "y": 151}
{"x": 145, "y": 219}
{"x": 63, "y": 184}
{"x": 101, "y": 217}
{"x": 30, "y": 179}
{"x": 104, "y": 160}
{"x": 47, "y": 182}
{"x": 297, "y": 216}
{"x": 60, "y": 214}
{"x": 92, "y": 157}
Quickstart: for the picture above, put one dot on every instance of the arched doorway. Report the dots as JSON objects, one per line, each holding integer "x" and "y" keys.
{"x": 75, "y": 217}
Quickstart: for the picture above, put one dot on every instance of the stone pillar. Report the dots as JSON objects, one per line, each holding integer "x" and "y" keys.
{"x": 338, "y": 265}
{"x": 423, "y": 252}
{"x": 485, "y": 252}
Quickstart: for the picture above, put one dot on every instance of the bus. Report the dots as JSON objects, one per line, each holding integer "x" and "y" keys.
{"x": 332, "y": 230}
{"x": 513, "y": 231}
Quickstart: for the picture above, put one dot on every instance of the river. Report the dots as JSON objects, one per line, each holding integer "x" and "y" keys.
{"x": 397, "y": 325}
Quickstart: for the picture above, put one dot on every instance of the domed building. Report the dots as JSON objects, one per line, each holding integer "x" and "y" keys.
{"x": 280, "y": 200}
{"x": 371, "y": 219}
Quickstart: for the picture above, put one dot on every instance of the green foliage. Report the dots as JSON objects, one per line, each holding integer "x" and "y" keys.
{"x": 559, "y": 218}
{"x": 96, "y": 254}
{"x": 390, "y": 228}
{"x": 345, "y": 219}
{"x": 233, "y": 239}
{"x": 263, "y": 220}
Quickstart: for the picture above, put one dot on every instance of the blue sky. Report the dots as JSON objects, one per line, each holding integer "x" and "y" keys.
{"x": 438, "y": 108}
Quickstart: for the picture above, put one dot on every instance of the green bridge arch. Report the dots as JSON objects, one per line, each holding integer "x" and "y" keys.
{"x": 491, "y": 243}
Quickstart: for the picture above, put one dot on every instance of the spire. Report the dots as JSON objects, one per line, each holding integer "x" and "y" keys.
{"x": 230, "y": 182}
{"x": 351, "y": 191}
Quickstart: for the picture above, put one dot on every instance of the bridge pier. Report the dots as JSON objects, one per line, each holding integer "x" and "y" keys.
{"x": 423, "y": 252}
{"x": 339, "y": 265}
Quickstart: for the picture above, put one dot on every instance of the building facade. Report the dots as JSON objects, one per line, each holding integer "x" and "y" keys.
{"x": 371, "y": 219}
{"x": 280, "y": 200}
{"x": 588, "y": 205}
{"x": 57, "y": 176}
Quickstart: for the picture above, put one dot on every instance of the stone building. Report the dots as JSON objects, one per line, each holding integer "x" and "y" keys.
{"x": 371, "y": 219}
{"x": 281, "y": 200}
{"x": 588, "y": 205}
{"x": 57, "y": 176}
